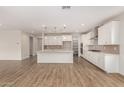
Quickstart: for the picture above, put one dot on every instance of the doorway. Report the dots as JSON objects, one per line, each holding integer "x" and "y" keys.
{"x": 31, "y": 46}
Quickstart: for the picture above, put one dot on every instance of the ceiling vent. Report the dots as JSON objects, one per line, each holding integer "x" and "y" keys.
{"x": 66, "y": 7}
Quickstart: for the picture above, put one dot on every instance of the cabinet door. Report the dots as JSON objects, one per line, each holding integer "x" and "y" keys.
{"x": 115, "y": 32}
{"x": 46, "y": 41}
{"x": 101, "y": 61}
{"x": 111, "y": 63}
{"x": 51, "y": 40}
{"x": 54, "y": 40}
{"x": 101, "y": 36}
{"x": 59, "y": 40}
{"x": 108, "y": 33}
{"x": 90, "y": 57}
{"x": 69, "y": 38}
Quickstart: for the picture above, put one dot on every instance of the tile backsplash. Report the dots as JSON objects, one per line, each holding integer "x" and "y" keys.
{"x": 112, "y": 49}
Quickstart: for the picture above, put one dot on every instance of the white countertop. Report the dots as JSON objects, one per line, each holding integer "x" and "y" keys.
{"x": 55, "y": 56}
{"x": 56, "y": 51}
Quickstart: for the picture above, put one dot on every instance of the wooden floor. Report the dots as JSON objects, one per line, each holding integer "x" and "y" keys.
{"x": 79, "y": 74}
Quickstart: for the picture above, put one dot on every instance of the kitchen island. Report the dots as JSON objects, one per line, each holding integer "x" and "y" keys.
{"x": 55, "y": 56}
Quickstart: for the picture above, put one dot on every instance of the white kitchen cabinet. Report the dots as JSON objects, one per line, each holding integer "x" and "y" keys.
{"x": 57, "y": 40}
{"x": 53, "y": 40}
{"x": 67, "y": 38}
{"x": 101, "y": 61}
{"x": 107, "y": 62}
{"x": 111, "y": 63}
{"x": 85, "y": 39}
{"x": 101, "y": 36}
{"x": 96, "y": 57}
{"x": 109, "y": 33}
{"x": 88, "y": 37}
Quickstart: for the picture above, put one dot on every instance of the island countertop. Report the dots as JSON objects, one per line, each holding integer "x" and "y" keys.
{"x": 55, "y": 56}
{"x": 55, "y": 51}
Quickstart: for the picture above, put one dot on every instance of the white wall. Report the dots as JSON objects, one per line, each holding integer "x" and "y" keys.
{"x": 10, "y": 45}
{"x": 25, "y": 45}
{"x": 15, "y": 45}
{"x": 79, "y": 45}
{"x": 35, "y": 45}
{"x": 121, "y": 63}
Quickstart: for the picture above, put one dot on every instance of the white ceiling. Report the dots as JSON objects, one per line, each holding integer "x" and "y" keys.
{"x": 31, "y": 18}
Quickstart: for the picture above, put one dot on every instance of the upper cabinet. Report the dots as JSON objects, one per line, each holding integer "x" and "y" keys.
{"x": 109, "y": 33}
{"x": 85, "y": 39}
{"x": 57, "y": 40}
{"x": 90, "y": 38}
{"x": 53, "y": 40}
{"x": 67, "y": 38}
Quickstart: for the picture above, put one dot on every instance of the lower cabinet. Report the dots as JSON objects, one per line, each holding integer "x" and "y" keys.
{"x": 101, "y": 61}
{"x": 107, "y": 62}
{"x": 111, "y": 63}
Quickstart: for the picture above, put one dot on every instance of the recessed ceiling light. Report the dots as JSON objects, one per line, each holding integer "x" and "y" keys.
{"x": 43, "y": 25}
{"x": 0, "y": 24}
{"x": 82, "y": 24}
{"x": 64, "y": 25}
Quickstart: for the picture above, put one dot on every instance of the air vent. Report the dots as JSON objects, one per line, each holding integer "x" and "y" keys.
{"x": 66, "y": 7}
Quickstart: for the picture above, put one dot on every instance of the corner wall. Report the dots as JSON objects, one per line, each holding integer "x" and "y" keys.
{"x": 14, "y": 45}
{"x": 25, "y": 53}
{"x": 35, "y": 46}
{"x": 10, "y": 45}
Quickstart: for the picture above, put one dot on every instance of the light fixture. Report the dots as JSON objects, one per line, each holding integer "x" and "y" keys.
{"x": 64, "y": 37}
{"x": 0, "y": 24}
{"x": 64, "y": 25}
{"x": 66, "y": 7}
{"x": 43, "y": 26}
{"x": 55, "y": 28}
{"x": 82, "y": 24}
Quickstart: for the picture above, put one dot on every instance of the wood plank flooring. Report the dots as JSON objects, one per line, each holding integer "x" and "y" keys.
{"x": 28, "y": 73}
